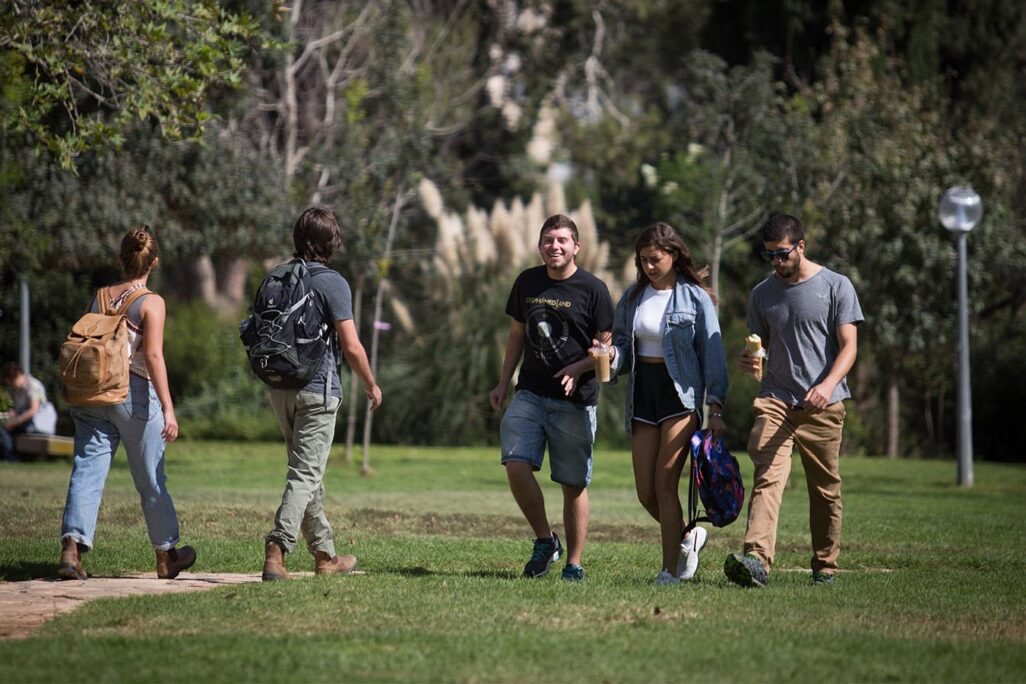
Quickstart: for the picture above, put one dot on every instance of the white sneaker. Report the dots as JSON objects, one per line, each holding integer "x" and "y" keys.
{"x": 690, "y": 547}
{"x": 665, "y": 578}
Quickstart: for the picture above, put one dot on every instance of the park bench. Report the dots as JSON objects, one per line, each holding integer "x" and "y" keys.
{"x": 44, "y": 445}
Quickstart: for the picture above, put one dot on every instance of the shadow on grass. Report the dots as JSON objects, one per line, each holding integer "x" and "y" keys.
{"x": 421, "y": 571}
{"x": 19, "y": 572}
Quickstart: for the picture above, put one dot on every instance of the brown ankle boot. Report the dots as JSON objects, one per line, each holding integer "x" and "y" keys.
{"x": 274, "y": 563}
{"x": 71, "y": 561}
{"x": 329, "y": 565}
{"x": 173, "y": 561}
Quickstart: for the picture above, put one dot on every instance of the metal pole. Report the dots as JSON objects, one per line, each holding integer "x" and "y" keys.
{"x": 964, "y": 402}
{"x": 24, "y": 356}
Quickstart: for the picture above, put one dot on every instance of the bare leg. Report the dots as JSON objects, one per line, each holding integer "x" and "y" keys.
{"x": 528, "y": 496}
{"x": 675, "y": 434}
{"x": 575, "y": 518}
{"x": 644, "y": 452}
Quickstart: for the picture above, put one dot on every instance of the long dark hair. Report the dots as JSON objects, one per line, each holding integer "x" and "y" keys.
{"x": 663, "y": 237}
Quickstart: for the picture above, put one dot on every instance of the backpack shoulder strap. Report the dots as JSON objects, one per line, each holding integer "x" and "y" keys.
{"x": 103, "y": 299}
{"x": 130, "y": 299}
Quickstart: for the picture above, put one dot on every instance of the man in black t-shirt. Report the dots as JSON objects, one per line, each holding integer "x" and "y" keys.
{"x": 557, "y": 310}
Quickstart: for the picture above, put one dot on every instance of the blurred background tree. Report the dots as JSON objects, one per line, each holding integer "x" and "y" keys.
{"x": 217, "y": 122}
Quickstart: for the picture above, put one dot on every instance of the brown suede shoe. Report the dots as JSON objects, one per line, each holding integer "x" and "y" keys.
{"x": 327, "y": 565}
{"x": 274, "y": 563}
{"x": 173, "y": 561}
{"x": 71, "y": 561}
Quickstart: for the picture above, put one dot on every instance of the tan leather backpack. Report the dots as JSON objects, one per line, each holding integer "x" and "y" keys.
{"x": 94, "y": 359}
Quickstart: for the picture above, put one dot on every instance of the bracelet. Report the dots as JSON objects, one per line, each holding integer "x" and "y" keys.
{"x": 715, "y": 414}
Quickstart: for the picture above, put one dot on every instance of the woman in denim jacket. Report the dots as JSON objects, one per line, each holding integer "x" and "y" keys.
{"x": 666, "y": 337}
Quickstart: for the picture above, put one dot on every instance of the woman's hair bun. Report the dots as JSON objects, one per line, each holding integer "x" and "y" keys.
{"x": 139, "y": 251}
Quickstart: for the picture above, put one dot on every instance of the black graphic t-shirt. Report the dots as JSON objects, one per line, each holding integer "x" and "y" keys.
{"x": 560, "y": 317}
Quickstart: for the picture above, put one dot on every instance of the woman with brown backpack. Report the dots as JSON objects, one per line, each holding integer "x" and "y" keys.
{"x": 136, "y": 412}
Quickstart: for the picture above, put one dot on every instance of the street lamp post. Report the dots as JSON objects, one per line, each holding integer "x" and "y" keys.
{"x": 960, "y": 210}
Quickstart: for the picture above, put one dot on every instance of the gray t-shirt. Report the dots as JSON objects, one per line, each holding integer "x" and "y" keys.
{"x": 798, "y": 326}
{"x": 337, "y": 305}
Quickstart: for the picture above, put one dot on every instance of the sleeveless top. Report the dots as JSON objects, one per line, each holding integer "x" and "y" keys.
{"x": 137, "y": 360}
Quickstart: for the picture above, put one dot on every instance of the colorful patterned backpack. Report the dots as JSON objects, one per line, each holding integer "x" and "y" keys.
{"x": 716, "y": 479}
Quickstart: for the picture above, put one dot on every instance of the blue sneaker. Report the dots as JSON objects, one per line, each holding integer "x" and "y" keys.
{"x": 546, "y": 552}
{"x": 573, "y": 573}
{"x": 822, "y": 579}
{"x": 746, "y": 571}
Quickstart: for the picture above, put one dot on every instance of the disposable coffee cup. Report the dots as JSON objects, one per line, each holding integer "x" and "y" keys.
{"x": 601, "y": 356}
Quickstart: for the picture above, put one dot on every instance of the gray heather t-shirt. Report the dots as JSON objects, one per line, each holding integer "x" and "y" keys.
{"x": 798, "y": 326}
{"x": 337, "y": 300}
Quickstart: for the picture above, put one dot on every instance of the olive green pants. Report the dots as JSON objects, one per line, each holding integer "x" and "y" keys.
{"x": 307, "y": 423}
{"x": 777, "y": 431}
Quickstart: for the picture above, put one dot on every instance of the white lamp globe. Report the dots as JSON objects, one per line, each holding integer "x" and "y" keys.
{"x": 960, "y": 209}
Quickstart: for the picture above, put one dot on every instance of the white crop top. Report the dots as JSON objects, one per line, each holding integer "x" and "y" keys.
{"x": 650, "y": 322}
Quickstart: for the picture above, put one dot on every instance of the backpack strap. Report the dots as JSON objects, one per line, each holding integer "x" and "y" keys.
{"x": 130, "y": 299}
{"x": 697, "y": 444}
{"x": 103, "y": 300}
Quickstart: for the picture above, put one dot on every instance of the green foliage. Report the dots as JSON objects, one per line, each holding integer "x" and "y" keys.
{"x": 217, "y": 396}
{"x": 88, "y": 73}
{"x": 441, "y": 542}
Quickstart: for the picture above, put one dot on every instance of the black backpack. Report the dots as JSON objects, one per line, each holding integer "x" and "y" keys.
{"x": 285, "y": 334}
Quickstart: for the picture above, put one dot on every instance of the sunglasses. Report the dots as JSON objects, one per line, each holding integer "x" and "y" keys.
{"x": 781, "y": 254}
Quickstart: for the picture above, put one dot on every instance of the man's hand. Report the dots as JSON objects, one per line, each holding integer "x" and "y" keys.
{"x": 603, "y": 341}
{"x": 497, "y": 397}
{"x": 749, "y": 364}
{"x": 373, "y": 396}
{"x": 819, "y": 396}
{"x": 568, "y": 375}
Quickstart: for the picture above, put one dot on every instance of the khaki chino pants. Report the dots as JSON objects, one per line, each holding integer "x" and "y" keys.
{"x": 307, "y": 423}
{"x": 777, "y": 431}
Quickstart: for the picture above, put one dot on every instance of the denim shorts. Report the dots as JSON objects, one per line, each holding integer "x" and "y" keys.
{"x": 532, "y": 421}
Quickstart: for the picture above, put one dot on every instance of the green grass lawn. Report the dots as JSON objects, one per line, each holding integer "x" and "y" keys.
{"x": 933, "y": 586}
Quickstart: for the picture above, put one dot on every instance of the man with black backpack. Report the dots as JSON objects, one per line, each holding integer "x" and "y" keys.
{"x": 302, "y": 317}
{"x": 807, "y": 315}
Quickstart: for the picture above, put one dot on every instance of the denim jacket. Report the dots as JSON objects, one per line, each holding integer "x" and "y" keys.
{"x": 692, "y": 347}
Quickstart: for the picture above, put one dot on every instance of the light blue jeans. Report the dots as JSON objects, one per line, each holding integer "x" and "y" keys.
{"x": 136, "y": 423}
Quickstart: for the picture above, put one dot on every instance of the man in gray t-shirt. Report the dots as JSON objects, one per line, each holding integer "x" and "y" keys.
{"x": 307, "y": 416}
{"x": 807, "y": 317}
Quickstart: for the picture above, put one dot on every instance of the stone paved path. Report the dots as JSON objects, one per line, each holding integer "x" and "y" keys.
{"x": 24, "y": 606}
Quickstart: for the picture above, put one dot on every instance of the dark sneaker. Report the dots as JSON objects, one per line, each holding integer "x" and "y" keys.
{"x": 822, "y": 579}
{"x": 573, "y": 573}
{"x": 546, "y": 552}
{"x": 746, "y": 571}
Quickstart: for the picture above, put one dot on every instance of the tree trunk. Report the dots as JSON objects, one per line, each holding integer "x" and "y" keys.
{"x": 379, "y": 298}
{"x": 714, "y": 267}
{"x": 231, "y": 281}
{"x": 893, "y": 415}
{"x": 931, "y": 432}
{"x": 354, "y": 382}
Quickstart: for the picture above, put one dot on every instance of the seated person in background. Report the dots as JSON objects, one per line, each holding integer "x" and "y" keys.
{"x": 32, "y": 413}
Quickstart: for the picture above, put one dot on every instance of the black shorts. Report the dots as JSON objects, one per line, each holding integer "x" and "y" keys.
{"x": 655, "y": 397}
